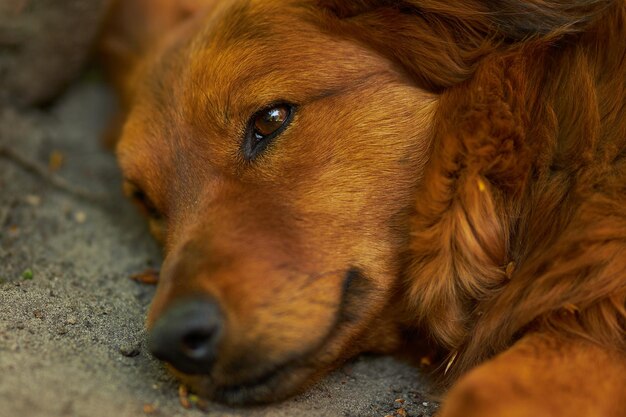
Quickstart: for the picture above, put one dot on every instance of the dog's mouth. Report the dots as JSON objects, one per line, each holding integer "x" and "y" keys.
{"x": 254, "y": 390}
{"x": 276, "y": 382}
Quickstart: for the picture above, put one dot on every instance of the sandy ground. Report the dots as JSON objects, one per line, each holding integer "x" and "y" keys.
{"x": 71, "y": 338}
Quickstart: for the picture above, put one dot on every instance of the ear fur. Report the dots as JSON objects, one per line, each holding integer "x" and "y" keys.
{"x": 439, "y": 43}
{"x": 466, "y": 211}
{"x": 513, "y": 19}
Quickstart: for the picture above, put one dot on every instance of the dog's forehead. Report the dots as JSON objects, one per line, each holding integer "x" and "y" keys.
{"x": 248, "y": 54}
{"x": 241, "y": 58}
{"x": 255, "y": 52}
{"x": 239, "y": 21}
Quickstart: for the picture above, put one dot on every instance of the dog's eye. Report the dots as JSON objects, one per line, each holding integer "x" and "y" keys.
{"x": 141, "y": 200}
{"x": 264, "y": 126}
{"x": 269, "y": 121}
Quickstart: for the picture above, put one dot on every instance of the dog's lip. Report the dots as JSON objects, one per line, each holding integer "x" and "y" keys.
{"x": 251, "y": 391}
{"x": 261, "y": 389}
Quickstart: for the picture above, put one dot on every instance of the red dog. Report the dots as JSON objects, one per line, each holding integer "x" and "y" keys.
{"x": 328, "y": 177}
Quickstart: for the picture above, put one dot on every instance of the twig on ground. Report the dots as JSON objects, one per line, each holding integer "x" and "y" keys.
{"x": 53, "y": 179}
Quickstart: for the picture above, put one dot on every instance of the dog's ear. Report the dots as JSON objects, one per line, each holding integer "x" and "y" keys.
{"x": 514, "y": 19}
{"x": 440, "y": 42}
{"x": 426, "y": 45}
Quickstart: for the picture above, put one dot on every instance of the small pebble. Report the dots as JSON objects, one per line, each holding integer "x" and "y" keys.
{"x": 130, "y": 350}
{"x": 72, "y": 320}
{"x": 33, "y": 200}
{"x": 425, "y": 404}
{"x": 80, "y": 217}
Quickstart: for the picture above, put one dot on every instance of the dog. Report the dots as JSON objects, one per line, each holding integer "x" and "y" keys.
{"x": 331, "y": 177}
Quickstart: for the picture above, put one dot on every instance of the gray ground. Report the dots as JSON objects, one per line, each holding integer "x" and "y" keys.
{"x": 66, "y": 334}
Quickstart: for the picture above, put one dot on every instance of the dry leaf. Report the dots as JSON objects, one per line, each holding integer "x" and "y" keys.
{"x": 510, "y": 268}
{"x": 55, "y": 161}
{"x": 149, "y": 276}
{"x": 183, "y": 396}
{"x": 481, "y": 185}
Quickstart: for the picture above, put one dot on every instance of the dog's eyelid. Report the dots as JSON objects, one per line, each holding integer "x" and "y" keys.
{"x": 141, "y": 198}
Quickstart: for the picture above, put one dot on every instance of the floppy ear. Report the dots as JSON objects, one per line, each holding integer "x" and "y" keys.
{"x": 440, "y": 42}
{"x": 425, "y": 44}
{"x": 467, "y": 202}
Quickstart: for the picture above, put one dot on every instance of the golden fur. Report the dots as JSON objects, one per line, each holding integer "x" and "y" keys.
{"x": 456, "y": 169}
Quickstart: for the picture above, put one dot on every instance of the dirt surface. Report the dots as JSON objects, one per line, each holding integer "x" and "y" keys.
{"x": 71, "y": 321}
{"x": 44, "y": 45}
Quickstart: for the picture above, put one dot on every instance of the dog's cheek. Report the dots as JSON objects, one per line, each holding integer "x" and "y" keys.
{"x": 286, "y": 320}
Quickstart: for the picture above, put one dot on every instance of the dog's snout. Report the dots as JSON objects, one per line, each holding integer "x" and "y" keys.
{"x": 187, "y": 335}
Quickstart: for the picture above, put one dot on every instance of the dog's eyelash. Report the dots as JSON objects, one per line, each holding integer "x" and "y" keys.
{"x": 265, "y": 125}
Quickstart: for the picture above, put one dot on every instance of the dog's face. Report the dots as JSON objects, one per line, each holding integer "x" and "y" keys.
{"x": 278, "y": 164}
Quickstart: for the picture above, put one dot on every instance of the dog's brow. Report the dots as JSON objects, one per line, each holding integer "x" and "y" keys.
{"x": 359, "y": 82}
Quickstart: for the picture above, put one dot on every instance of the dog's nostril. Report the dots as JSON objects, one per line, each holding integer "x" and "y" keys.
{"x": 196, "y": 343}
{"x": 187, "y": 335}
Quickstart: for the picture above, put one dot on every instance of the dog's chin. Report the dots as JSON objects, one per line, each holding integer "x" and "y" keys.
{"x": 274, "y": 385}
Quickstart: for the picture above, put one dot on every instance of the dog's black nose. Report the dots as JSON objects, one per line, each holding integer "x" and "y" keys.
{"x": 187, "y": 334}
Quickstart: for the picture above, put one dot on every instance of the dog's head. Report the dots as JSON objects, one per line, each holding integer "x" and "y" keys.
{"x": 276, "y": 148}
{"x": 278, "y": 164}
